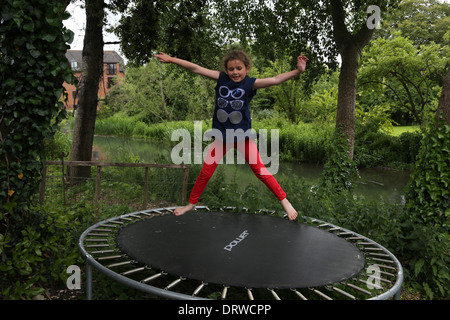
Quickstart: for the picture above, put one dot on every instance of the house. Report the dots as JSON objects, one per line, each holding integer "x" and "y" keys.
{"x": 113, "y": 72}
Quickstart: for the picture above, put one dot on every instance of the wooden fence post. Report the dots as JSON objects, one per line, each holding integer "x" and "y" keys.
{"x": 144, "y": 205}
{"x": 42, "y": 185}
{"x": 98, "y": 183}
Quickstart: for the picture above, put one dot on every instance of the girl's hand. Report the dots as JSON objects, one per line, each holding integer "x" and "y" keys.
{"x": 164, "y": 58}
{"x": 301, "y": 62}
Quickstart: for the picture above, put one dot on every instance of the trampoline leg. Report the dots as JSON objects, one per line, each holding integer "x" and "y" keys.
{"x": 397, "y": 294}
{"x": 88, "y": 281}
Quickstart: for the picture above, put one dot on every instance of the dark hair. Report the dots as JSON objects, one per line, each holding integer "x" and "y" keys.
{"x": 237, "y": 55}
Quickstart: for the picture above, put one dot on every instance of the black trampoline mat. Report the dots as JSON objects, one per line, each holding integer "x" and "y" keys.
{"x": 240, "y": 249}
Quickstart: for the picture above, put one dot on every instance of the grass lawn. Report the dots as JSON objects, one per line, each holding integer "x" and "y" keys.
{"x": 398, "y": 130}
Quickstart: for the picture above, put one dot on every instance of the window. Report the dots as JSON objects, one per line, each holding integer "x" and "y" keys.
{"x": 74, "y": 64}
{"x": 111, "y": 81}
{"x": 111, "y": 68}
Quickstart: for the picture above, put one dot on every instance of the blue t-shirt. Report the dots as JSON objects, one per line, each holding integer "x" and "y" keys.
{"x": 232, "y": 105}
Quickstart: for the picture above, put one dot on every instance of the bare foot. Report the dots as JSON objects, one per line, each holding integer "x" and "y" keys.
{"x": 291, "y": 212}
{"x": 182, "y": 210}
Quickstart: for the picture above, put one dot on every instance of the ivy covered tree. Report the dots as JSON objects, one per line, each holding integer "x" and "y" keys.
{"x": 33, "y": 67}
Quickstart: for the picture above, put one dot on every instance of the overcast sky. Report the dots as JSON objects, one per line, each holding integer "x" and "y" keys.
{"x": 77, "y": 23}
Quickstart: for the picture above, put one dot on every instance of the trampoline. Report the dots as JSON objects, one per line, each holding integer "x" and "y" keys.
{"x": 226, "y": 254}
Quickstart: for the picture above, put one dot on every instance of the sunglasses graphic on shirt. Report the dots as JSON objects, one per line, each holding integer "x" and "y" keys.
{"x": 235, "y": 104}
{"x": 235, "y": 117}
{"x": 234, "y": 93}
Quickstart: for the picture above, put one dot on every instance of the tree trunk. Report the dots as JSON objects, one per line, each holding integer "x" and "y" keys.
{"x": 345, "y": 117}
{"x": 83, "y": 136}
{"x": 350, "y": 47}
{"x": 443, "y": 109}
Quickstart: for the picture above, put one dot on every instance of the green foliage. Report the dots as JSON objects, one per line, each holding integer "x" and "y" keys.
{"x": 396, "y": 73}
{"x": 429, "y": 188}
{"x": 33, "y": 68}
{"x": 181, "y": 28}
{"x": 158, "y": 92}
{"x": 38, "y": 252}
{"x": 339, "y": 170}
{"x": 376, "y": 148}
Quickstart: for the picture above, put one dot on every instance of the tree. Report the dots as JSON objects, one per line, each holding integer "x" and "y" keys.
{"x": 443, "y": 109}
{"x": 422, "y": 21}
{"x": 179, "y": 27}
{"x": 92, "y": 56}
{"x": 405, "y": 74}
{"x": 33, "y": 68}
{"x": 323, "y": 29}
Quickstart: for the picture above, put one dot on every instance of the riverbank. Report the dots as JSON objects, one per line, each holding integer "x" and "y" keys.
{"x": 304, "y": 142}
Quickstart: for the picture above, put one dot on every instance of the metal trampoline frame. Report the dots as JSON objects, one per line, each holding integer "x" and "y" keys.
{"x": 98, "y": 247}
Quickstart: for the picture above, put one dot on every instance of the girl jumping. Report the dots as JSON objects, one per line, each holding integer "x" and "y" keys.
{"x": 234, "y": 91}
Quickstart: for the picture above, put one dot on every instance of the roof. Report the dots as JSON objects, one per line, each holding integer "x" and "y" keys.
{"x": 108, "y": 57}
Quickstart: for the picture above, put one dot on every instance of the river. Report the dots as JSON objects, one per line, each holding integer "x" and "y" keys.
{"x": 373, "y": 183}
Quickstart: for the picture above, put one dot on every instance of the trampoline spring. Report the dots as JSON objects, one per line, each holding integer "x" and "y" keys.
{"x": 102, "y": 230}
{"x": 250, "y": 294}
{"x": 358, "y": 289}
{"x": 348, "y": 295}
{"x": 299, "y": 294}
{"x": 133, "y": 271}
{"x": 125, "y": 218}
{"x": 323, "y": 225}
{"x": 103, "y": 251}
{"x": 97, "y": 235}
{"x": 147, "y": 214}
{"x": 378, "y": 254}
{"x": 387, "y": 273}
{"x": 353, "y": 238}
{"x": 96, "y": 240}
{"x": 383, "y": 260}
{"x": 109, "y": 257}
{"x": 372, "y": 249}
{"x": 174, "y": 283}
{"x": 199, "y": 288}
{"x": 379, "y": 278}
{"x": 224, "y": 292}
{"x": 334, "y": 229}
{"x": 153, "y": 277}
{"x": 118, "y": 222}
{"x": 118, "y": 264}
{"x": 323, "y": 295}
{"x": 109, "y": 226}
{"x": 386, "y": 267}
{"x": 365, "y": 243}
{"x": 373, "y": 285}
{"x": 97, "y": 246}
{"x": 274, "y": 294}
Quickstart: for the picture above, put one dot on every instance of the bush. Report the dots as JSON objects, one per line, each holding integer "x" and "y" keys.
{"x": 374, "y": 148}
{"x": 37, "y": 250}
{"x": 429, "y": 188}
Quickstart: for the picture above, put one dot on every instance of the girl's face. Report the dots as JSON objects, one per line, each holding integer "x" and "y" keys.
{"x": 237, "y": 70}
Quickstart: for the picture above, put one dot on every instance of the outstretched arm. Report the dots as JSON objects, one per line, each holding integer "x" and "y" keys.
{"x": 165, "y": 58}
{"x": 273, "y": 81}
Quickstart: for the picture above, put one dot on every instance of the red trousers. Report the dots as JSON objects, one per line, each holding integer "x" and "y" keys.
{"x": 248, "y": 149}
